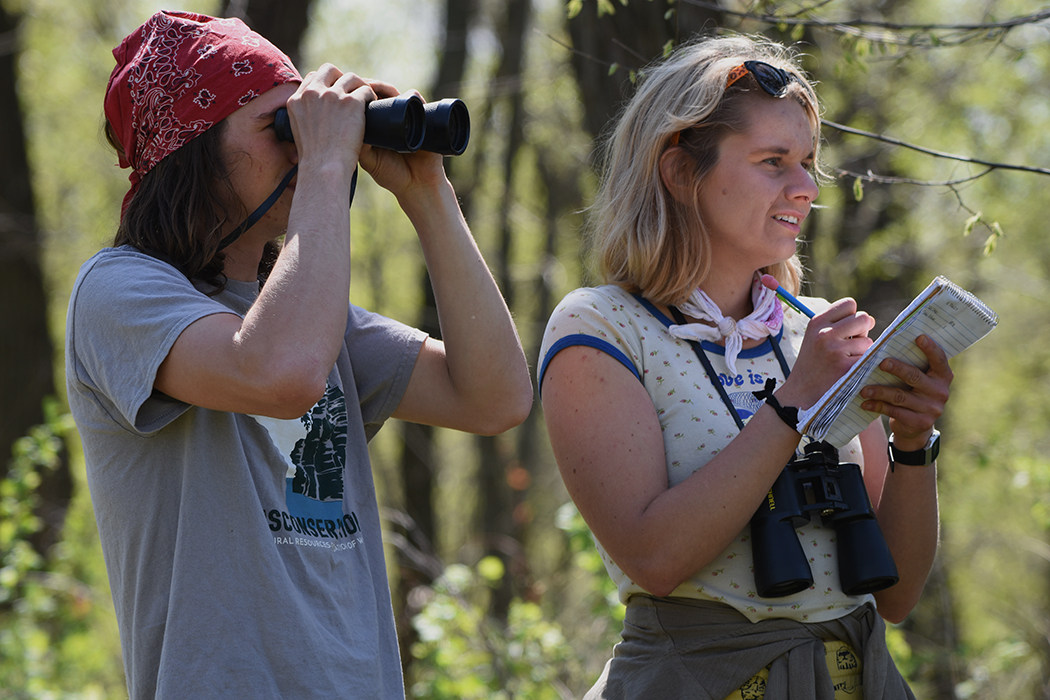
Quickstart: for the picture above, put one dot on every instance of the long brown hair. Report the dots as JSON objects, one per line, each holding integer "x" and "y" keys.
{"x": 181, "y": 208}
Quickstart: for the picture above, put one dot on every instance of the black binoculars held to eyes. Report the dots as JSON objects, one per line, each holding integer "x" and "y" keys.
{"x": 818, "y": 483}
{"x": 406, "y": 124}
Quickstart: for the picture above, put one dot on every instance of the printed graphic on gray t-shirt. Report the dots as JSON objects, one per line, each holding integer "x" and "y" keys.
{"x": 315, "y": 447}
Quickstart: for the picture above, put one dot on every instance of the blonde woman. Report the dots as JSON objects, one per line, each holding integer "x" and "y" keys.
{"x": 658, "y": 395}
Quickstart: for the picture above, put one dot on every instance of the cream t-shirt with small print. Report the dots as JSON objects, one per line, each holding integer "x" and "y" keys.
{"x": 696, "y": 426}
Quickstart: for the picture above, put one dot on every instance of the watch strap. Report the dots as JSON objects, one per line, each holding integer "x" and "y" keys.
{"x": 916, "y": 458}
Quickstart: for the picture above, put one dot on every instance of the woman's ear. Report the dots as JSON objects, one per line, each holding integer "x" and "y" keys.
{"x": 676, "y": 172}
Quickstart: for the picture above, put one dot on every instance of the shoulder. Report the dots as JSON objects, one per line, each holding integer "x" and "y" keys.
{"x": 606, "y": 304}
{"x": 608, "y": 297}
{"x": 606, "y": 318}
{"x": 121, "y": 290}
{"x": 593, "y": 311}
{"x": 114, "y": 272}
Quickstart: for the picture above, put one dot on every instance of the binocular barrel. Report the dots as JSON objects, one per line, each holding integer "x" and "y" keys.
{"x": 819, "y": 483}
{"x": 406, "y": 124}
{"x": 865, "y": 562}
{"x": 781, "y": 568}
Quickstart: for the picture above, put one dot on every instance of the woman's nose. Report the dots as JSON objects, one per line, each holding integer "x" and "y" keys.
{"x": 804, "y": 186}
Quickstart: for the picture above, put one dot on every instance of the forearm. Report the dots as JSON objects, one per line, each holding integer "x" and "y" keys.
{"x": 297, "y": 324}
{"x": 485, "y": 362}
{"x": 613, "y": 463}
{"x": 275, "y": 361}
{"x": 688, "y": 526}
{"x": 908, "y": 516}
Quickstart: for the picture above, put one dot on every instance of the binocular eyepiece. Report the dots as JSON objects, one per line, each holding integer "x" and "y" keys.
{"x": 406, "y": 124}
{"x": 818, "y": 482}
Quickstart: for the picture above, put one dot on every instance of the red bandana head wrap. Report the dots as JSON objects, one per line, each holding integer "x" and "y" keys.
{"x": 180, "y": 74}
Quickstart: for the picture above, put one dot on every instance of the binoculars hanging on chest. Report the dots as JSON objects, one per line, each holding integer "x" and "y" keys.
{"x": 406, "y": 124}
{"x": 818, "y": 483}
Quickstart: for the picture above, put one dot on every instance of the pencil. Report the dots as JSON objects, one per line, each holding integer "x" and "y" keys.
{"x": 771, "y": 282}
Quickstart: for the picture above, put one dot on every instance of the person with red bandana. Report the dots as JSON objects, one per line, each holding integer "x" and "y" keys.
{"x": 225, "y": 389}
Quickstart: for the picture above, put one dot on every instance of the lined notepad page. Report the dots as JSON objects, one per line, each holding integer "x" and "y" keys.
{"x": 947, "y": 313}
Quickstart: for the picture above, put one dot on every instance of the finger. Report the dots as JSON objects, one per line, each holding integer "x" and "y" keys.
{"x": 839, "y": 310}
{"x": 351, "y": 82}
{"x": 934, "y": 384}
{"x": 327, "y": 74}
{"x": 856, "y": 346}
{"x": 899, "y": 402}
{"x": 384, "y": 89}
{"x": 883, "y": 398}
{"x": 936, "y": 356}
{"x": 855, "y": 325}
{"x": 847, "y": 337}
{"x": 909, "y": 374}
{"x": 910, "y": 416}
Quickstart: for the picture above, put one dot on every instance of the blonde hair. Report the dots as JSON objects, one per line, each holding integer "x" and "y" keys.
{"x": 646, "y": 241}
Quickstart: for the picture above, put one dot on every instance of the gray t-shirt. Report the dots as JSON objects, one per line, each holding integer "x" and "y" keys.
{"x": 244, "y": 553}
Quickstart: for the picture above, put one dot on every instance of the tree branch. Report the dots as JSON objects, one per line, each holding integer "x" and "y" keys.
{"x": 872, "y": 177}
{"x": 856, "y": 27}
{"x": 931, "y": 152}
{"x": 894, "y": 180}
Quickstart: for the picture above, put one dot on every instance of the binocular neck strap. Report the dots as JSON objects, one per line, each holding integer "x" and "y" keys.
{"x": 261, "y": 210}
{"x": 701, "y": 354}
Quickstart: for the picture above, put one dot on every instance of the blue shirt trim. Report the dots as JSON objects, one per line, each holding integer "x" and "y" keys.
{"x": 588, "y": 341}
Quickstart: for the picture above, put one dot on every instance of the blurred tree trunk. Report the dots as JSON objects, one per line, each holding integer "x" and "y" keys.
{"x": 630, "y": 38}
{"x": 26, "y": 351}
{"x": 418, "y": 528}
{"x": 502, "y": 479}
{"x": 282, "y": 23}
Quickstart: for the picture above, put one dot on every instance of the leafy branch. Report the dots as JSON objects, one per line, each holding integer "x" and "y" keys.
{"x": 918, "y": 35}
{"x": 995, "y": 230}
{"x": 912, "y": 35}
{"x": 991, "y": 165}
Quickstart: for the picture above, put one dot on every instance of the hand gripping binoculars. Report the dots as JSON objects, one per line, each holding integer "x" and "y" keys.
{"x": 819, "y": 483}
{"x": 406, "y": 124}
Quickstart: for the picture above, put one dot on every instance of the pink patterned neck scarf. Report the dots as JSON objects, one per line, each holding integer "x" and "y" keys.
{"x": 765, "y": 320}
{"x": 180, "y": 74}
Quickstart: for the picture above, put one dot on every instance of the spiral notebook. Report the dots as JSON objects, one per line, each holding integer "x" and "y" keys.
{"x": 953, "y": 317}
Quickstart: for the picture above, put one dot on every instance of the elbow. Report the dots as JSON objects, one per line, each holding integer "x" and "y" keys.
{"x": 509, "y": 413}
{"x": 291, "y": 393}
{"x": 506, "y": 409}
{"x": 290, "y": 407}
{"x": 657, "y": 563}
{"x": 657, "y": 578}
{"x": 293, "y": 402}
{"x": 518, "y": 405}
{"x": 894, "y": 605}
{"x": 658, "y": 588}
{"x": 893, "y": 615}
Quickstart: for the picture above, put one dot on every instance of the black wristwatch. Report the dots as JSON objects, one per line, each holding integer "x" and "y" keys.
{"x": 916, "y": 458}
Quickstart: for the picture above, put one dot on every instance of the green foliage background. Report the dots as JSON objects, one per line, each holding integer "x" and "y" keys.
{"x": 984, "y": 621}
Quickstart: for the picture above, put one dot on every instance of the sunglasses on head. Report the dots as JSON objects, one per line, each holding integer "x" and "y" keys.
{"x": 774, "y": 81}
{"x": 770, "y": 78}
